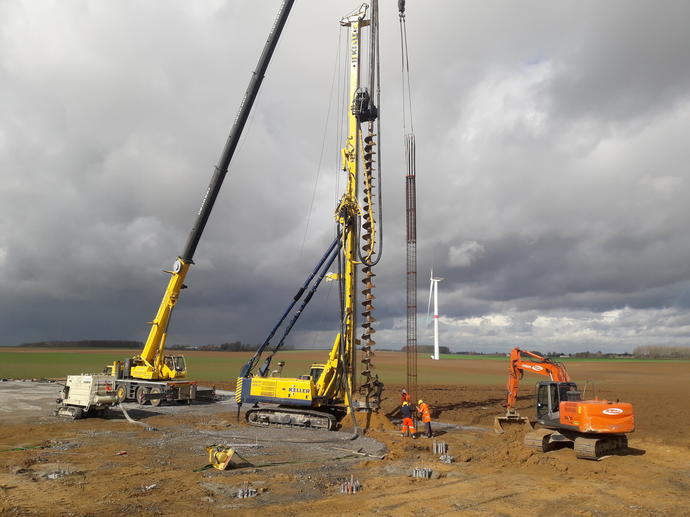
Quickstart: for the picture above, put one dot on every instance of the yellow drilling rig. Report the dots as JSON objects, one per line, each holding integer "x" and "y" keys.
{"x": 322, "y": 397}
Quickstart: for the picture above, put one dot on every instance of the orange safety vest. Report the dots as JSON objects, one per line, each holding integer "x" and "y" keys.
{"x": 424, "y": 410}
{"x": 405, "y": 397}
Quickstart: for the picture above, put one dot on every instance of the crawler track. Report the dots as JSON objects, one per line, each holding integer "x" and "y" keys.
{"x": 595, "y": 448}
{"x": 287, "y": 417}
{"x": 586, "y": 447}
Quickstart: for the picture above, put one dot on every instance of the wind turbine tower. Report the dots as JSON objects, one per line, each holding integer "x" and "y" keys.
{"x": 433, "y": 291}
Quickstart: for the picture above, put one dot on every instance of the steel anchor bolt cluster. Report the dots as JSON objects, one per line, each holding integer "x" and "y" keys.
{"x": 421, "y": 472}
{"x": 350, "y": 487}
{"x": 439, "y": 447}
{"x": 246, "y": 491}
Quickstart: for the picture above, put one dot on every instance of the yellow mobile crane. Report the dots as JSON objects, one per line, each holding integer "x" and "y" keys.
{"x": 322, "y": 397}
{"x": 152, "y": 375}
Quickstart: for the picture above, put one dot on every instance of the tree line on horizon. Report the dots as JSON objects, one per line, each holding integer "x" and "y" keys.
{"x": 662, "y": 352}
{"x": 86, "y": 343}
{"x": 640, "y": 352}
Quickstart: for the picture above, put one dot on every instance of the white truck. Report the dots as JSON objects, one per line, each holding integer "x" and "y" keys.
{"x": 86, "y": 395}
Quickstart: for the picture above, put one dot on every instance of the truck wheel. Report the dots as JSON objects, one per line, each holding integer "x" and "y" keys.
{"x": 156, "y": 402}
{"x": 121, "y": 393}
{"x": 141, "y": 391}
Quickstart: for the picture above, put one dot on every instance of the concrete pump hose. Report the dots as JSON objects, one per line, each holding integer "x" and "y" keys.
{"x": 132, "y": 421}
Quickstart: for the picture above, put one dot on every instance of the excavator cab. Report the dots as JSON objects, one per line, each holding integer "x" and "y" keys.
{"x": 550, "y": 394}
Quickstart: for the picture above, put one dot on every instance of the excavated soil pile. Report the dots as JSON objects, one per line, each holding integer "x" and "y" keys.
{"x": 369, "y": 422}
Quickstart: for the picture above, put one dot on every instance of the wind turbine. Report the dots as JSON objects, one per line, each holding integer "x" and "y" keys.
{"x": 433, "y": 290}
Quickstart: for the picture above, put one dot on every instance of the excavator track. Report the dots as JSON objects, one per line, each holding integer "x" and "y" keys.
{"x": 288, "y": 417}
{"x": 538, "y": 439}
{"x": 596, "y": 448}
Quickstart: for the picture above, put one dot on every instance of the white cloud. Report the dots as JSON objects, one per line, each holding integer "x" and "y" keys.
{"x": 465, "y": 254}
{"x": 618, "y": 330}
{"x": 551, "y": 183}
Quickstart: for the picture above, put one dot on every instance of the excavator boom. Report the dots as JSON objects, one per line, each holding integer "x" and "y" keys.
{"x": 516, "y": 368}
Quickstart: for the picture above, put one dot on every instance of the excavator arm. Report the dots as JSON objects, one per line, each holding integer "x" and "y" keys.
{"x": 542, "y": 366}
{"x": 521, "y": 360}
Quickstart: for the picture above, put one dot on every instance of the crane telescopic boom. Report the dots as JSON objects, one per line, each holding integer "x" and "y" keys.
{"x": 151, "y": 364}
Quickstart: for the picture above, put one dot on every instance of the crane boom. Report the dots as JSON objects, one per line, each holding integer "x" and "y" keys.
{"x": 151, "y": 363}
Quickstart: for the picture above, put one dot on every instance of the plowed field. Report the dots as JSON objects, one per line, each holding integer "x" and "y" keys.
{"x": 81, "y": 469}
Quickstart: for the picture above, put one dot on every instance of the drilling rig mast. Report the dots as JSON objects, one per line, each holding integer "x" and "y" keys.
{"x": 321, "y": 398}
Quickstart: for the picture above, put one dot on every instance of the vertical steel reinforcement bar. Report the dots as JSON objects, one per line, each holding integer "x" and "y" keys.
{"x": 411, "y": 210}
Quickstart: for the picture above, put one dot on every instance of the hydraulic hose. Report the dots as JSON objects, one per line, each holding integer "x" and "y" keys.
{"x": 251, "y": 364}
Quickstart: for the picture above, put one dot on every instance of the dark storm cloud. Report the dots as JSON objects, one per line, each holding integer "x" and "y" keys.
{"x": 552, "y": 177}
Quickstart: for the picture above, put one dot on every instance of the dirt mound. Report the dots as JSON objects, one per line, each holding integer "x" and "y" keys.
{"x": 369, "y": 421}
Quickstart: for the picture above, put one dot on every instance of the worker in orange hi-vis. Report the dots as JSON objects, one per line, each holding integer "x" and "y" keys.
{"x": 425, "y": 414}
{"x": 407, "y": 422}
{"x": 404, "y": 396}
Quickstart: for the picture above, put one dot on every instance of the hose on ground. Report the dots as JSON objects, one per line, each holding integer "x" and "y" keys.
{"x": 132, "y": 421}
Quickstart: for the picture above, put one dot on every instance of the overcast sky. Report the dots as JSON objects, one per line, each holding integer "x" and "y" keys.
{"x": 552, "y": 163}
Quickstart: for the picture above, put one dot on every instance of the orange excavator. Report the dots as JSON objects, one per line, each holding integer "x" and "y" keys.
{"x": 594, "y": 428}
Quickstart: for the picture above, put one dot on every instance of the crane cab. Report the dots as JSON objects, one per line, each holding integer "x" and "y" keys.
{"x": 176, "y": 366}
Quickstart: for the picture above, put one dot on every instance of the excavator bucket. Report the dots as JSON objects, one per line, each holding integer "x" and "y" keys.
{"x": 510, "y": 418}
{"x": 221, "y": 457}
